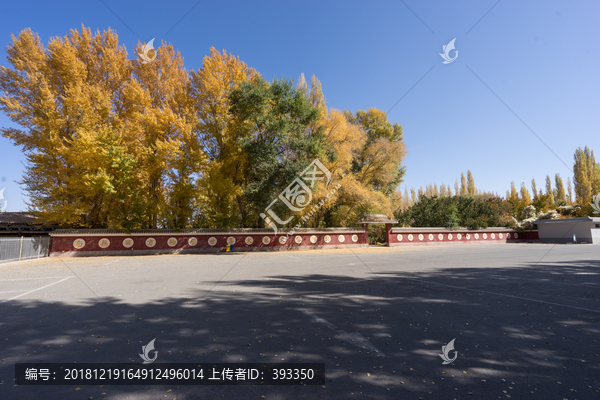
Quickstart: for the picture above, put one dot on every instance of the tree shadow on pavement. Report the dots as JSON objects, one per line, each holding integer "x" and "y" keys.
{"x": 379, "y": 336}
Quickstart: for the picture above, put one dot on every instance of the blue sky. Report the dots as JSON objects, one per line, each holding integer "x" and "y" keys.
{"x": 523, "y": 69}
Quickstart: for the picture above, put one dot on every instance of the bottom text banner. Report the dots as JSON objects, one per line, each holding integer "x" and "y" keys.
{"x": 170, "y": 374}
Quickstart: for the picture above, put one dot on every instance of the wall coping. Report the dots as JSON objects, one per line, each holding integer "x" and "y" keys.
{"x": 187, "y": 232}
{"x": 567, "y": 220}
{"x": 460, "y": 230}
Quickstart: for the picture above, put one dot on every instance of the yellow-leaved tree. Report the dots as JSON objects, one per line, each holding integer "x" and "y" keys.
{"x": 222, "y": 181}
{"x": 344, "y": 141}
{"x": 108, "y": 141}
{"x": 171, "y": 154}
{"x": 364, "y": 155}
{"x": 67, "y": 97}
{"x": 377, "y": 168}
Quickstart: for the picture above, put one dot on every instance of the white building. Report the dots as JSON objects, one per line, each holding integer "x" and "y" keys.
{"x": 581, "y": 230}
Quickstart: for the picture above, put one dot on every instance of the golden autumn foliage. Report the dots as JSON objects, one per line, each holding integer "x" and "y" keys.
{"x": 222, "y": 182}
{"x": 114, "y": 143}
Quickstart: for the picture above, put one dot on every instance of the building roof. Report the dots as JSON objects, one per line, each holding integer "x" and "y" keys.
{"x": 376, "y": 219}
{"x": 567, "y": 220}
{"x": 17, "y": 218}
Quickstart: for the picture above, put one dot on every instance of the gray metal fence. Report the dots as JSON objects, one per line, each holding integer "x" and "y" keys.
{"x": 24, "y": 248}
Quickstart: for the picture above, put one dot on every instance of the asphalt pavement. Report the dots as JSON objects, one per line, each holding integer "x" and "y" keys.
{"x": 524, "y": 319}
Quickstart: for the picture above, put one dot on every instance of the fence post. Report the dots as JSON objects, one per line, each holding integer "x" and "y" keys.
{"x": 21, "y": 251}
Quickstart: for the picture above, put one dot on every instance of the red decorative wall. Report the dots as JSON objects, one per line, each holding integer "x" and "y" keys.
{"x": 107, "y": 242}
{"x": 402, "y": 236}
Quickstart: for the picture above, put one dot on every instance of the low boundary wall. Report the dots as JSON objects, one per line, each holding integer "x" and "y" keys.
{"x": 103, "y": 242}
{"x": 432, "y": 236}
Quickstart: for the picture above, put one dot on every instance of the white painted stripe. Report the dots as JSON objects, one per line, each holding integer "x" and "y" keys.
{"x": 35, "y": 290}
{"x": 2, "y": 264}
{"x": 354, "y": 338}
{"x": 506, "y": 295}
{"x": 26, "y": 279}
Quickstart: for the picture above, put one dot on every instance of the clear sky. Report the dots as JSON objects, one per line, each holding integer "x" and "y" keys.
{"x": 523, "y": 69}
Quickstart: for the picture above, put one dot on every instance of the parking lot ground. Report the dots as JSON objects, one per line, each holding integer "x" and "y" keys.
{"x": 524, "y": 319}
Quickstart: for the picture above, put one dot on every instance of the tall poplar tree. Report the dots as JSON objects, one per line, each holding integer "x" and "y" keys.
{"x": 413, "y": 196}
{"x": 525, "y": 194}
{"x": 470, "y": 183}
{"x": 560, "y": 199}
{"x": 76, "y": 95}
{"x": 223, "y": 180}
{"x": 586, "y": 175}
{"x": 549, "y": 191}
{"x": 463, "y": 184}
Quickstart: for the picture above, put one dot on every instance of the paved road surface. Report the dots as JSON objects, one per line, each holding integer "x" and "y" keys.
{"x": 525, "y": 319}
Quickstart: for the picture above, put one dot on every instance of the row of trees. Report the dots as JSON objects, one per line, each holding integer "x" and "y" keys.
{"x": 113, "y": 143}
{"x": 466, "y": 187}
{"x": 471, "y": 211}
{"x": 474, "y": 208}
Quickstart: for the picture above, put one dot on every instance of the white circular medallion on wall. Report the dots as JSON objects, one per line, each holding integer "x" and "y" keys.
{"x": 421, "y": 237}
{"x": 104, "y": 243}
{"x": 172, "y": 242}
{"x": 249, "y": 240}
{"x": 508, "y": 235}
{"x": 341, "y": 238}
{"x": 468, "y": 236}
{"x": 458, "y": 236}
{"x": 313, "y": 239}
{"x": 410, "y": 237}
{"x": 355, "y": 238}
{"x": 150, "y": 242}
{"x": 231, "y": 240}
{"x": 128, "y": 242}
{"x": 449, "y": 236}
{"x": 282, "y": 239}
{"x": 192, "y": 241}
{"x": 79, "y": 244}
{"x": 430, "y": 236}
{"x": 440, "y": 237}
{"x": 266, "y": 240}
{"x": 485, "y": 235}
{"x": 501, "y": 236}
{"x": 212, "y": 241}
{"x": 399, "y": 237}
{"x": 477, "y": 236}
{"x": 298, "y": 239}
{"x": 516, "y": 235}
{"x": 327, "y": 238}
{"x": 493, "y": 235}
